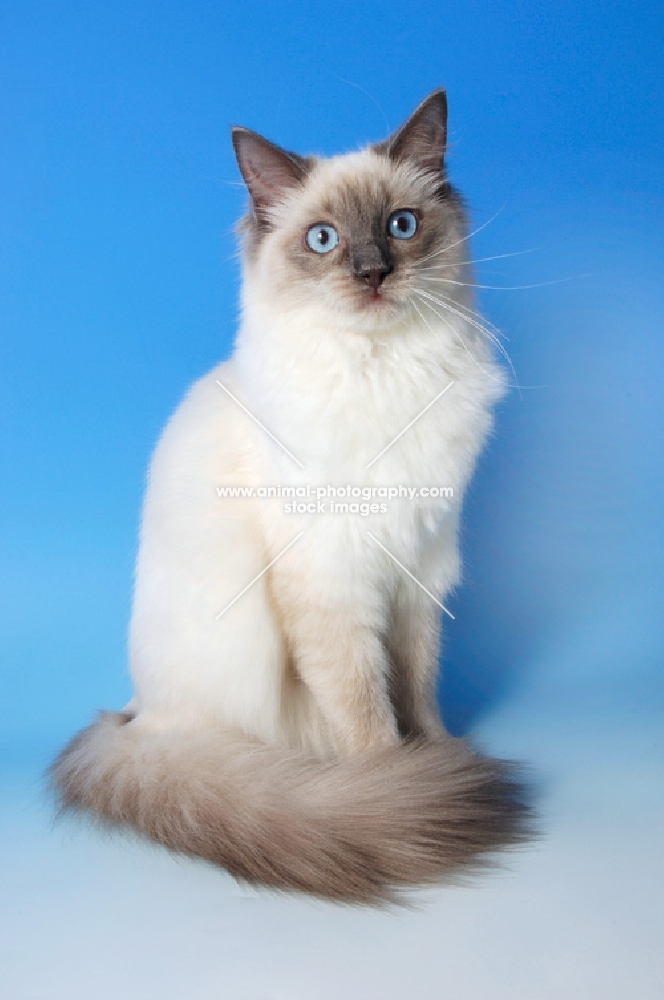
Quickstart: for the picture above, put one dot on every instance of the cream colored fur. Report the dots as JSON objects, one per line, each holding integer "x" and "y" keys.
{"x": 334, "y": 396}
{"x": 333, "y": 652}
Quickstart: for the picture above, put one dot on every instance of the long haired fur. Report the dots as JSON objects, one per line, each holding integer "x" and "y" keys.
{"x": 284, "y": 722}
{"x": 354, "y": 829}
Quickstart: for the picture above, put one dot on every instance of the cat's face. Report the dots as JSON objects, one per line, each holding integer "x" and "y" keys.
{"x": 358, "y": 235}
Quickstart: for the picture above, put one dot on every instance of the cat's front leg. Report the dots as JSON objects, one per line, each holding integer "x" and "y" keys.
{"x": 344, "y": 664}
{"x": 413, "y": 636}
{"x": 413, "y": 643}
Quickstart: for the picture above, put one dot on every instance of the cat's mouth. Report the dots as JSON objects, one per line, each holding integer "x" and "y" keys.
{"x": 373, "y": 297}
{"x": 379, "y": 302}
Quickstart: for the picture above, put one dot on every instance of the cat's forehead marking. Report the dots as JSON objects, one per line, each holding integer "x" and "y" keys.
{"x": 357, "y": 186}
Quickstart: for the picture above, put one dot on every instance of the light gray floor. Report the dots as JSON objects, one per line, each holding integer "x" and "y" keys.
{"x": 87, "y": 916}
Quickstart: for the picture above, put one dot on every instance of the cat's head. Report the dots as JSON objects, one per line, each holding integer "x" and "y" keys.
{"x": 359, "y": 237}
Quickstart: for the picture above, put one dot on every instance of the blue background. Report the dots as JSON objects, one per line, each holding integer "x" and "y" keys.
{"x": 119, "y": 287}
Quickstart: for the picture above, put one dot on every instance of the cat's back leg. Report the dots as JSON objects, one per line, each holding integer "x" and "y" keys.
{"x": 205, "y": 645}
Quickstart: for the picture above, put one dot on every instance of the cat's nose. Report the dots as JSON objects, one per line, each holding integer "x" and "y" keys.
{"x": 375, "y": 277}
{"x": 372, "y": 267}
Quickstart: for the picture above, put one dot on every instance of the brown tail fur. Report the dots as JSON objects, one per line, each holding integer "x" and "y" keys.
{"x": 354, "y": 829}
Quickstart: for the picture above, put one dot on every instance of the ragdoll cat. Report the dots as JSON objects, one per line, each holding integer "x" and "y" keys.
{"x": 284, "y": 655}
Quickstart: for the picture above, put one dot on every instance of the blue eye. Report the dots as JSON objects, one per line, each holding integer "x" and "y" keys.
{"x": 402, "y": 224}
{"x": 322, "y": 238}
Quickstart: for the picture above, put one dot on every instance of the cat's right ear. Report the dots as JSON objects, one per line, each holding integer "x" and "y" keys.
{"x": 268, "y": 170}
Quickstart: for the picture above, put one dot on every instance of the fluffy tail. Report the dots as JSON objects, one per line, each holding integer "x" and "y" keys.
{"x": 353, "y": 829}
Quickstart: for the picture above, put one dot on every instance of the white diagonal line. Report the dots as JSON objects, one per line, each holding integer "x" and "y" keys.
{"x": 408, "y": 573}
{"x": 409, "y": 425}
{"x": 257, "y": 577}
{"x": 257, "y": 421}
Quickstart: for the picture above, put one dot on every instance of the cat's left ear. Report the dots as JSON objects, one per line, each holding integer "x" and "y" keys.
{"x": 423, "y": 137}
{"x": 268, "y": 170}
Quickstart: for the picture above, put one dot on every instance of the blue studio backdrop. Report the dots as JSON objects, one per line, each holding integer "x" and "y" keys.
{"x": 120, "y": 286}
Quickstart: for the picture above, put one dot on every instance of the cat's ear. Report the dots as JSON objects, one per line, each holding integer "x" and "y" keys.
{"x": 268, "y": 170}
{"x": 423, "y": 137}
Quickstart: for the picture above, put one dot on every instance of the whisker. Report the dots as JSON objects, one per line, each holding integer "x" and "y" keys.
{"x": 502, "y": 288}
{"x": 480, "y": 327}
{"x": 419, "y": 313}
{"x": 471, "y": 319}
{"x": 371, "y": 97}
{"x": 477, "y": 260}
{"x": 482, "y": 320}
{"x": 449, "y": 326}
{"x": 464, "y": 238}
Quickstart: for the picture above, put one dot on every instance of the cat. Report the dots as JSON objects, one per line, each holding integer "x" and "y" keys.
{"x": 284, "y": 656}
